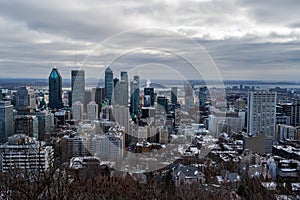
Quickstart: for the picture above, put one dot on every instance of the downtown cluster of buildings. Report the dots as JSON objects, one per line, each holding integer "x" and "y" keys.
{"x": 257, "y": 129}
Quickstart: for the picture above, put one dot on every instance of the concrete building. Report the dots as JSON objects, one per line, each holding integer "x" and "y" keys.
{"x": 24, "y": 153}
{"x": 92, "y": 111}
{"x": 261, "y": 113}
{"x": 74, "y": 146}
{"x": 107, "y": 146}
{"x": 6, "y": 120}
{"x": 77, "y": 110}
{"x": 262, "y": 143}
{"x": 27, "y": 125}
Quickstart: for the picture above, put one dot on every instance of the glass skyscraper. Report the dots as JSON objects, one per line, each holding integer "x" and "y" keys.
{"x": 55, "y": 89}
{"x": 109, "y": 84}
{"x": 6, "y": 120}
{"x": 135, "y": 95}
{"x": 78, "y": 86}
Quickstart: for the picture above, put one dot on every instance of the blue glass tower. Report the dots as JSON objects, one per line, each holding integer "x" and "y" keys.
{"x": 55, "y": 89}
{"x": 109, "y": 84}
{"x": 135, "y": 95}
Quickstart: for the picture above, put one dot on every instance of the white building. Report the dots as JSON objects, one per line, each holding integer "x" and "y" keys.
{"x": 77, "y": 110}
{"x": 235, "y": 123}
{"x": 261, "y": 113}
{"x": 92, "y": 111}
{"x": 24, "y": 153}
{"x": 107, "y": 146}
{"x": 121, "y": 116}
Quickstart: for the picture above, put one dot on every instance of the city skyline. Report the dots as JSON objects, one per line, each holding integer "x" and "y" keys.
{"x": 247, "y": 40}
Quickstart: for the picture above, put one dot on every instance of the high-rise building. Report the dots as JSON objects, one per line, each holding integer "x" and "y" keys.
{"x": 124, "y": 89}
{"x": 78, "y": 86}
{"x": 55, "y": 90}
{"x": 27, "y": 125}
{"x": 189, "y": 97}
{"x": 107, "y": 146}
{"x": 135, "y": 95}
{"x": 116, "y": 92}
{"x": 162, "y": 104}
{"x": 149, "y": 97}
{"x": 25, "y": 98}
{"x": 6, "y": 120}
{"x": 92, "y": 111}
{"x": 23, "y": 152}
{"x": 74, "y": 145}
{"x": 293, "y": 111}
{"x": 261, "y": 113}
{"x": 109, "y": 84}
{"x": 77, "y": 110}
{"x": 99, "y": 98}
{"x": 203, "y": 92}
{"x": 174, "y": 95}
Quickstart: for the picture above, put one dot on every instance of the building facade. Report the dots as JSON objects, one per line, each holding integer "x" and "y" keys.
{"x": 55, "y": 90}
{"x": 6, "y": 120}
{"x": 261, "y": 113}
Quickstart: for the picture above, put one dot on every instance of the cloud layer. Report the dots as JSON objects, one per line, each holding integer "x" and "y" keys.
{"x": 247, "y": 39}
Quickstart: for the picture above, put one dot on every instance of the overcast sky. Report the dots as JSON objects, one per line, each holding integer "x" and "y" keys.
{"x": 236, "y": 39}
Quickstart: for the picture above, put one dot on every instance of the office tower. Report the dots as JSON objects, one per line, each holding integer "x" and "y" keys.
{"x": 27, "y": 125}
{"x": 203, "y": 92}
{"x": 261, "y": 113}
{"x": 116, "y": 92}
{"x": 99, "y": 98}
{"x": 55, "y": 90}
{"x": 26, "y": 153}
{"x": 77, "y": 111}
{"x": 25, "y": 98}
{"x": 87, "y": 98}
{"x": 92, "y": 111}
{"x": 162, "y": 104}
{"x": 124, "y": 89}
{"x": 292, "y": 110}
{"x": 109, "y": 85}
{"x": 174, "y": 95}
{"x": 189, "y": 97}
{"x": 6, "y": 120}
{"x": 78, "y": 86}
{"x": 120, "y": 115}
{"x": 149, "y": 97}
{"x": 135, "y": 95}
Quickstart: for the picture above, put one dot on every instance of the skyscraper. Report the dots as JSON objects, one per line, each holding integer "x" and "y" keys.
{"x": 109, "y": 85}
{"x": 261, "y": 113}
{"x": 174, "y": 95}
{"x": 135, "y": 95}
{"x": 55, "y": 89}
{"x": 116, "y": 92}
{"x": 162, "y": 104}
{"x": 25, "y": 98}
{"x": 6, "y": 120}
{"x": 27, "y": 125}
{"x": 99, "y": 97}
{"x": 124, "y": 89}
{"x": 149, "y": 97}
{"x": 78, "y": 86}
{"x": 189, "y": 97}
{"x": 92, "y": 111}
